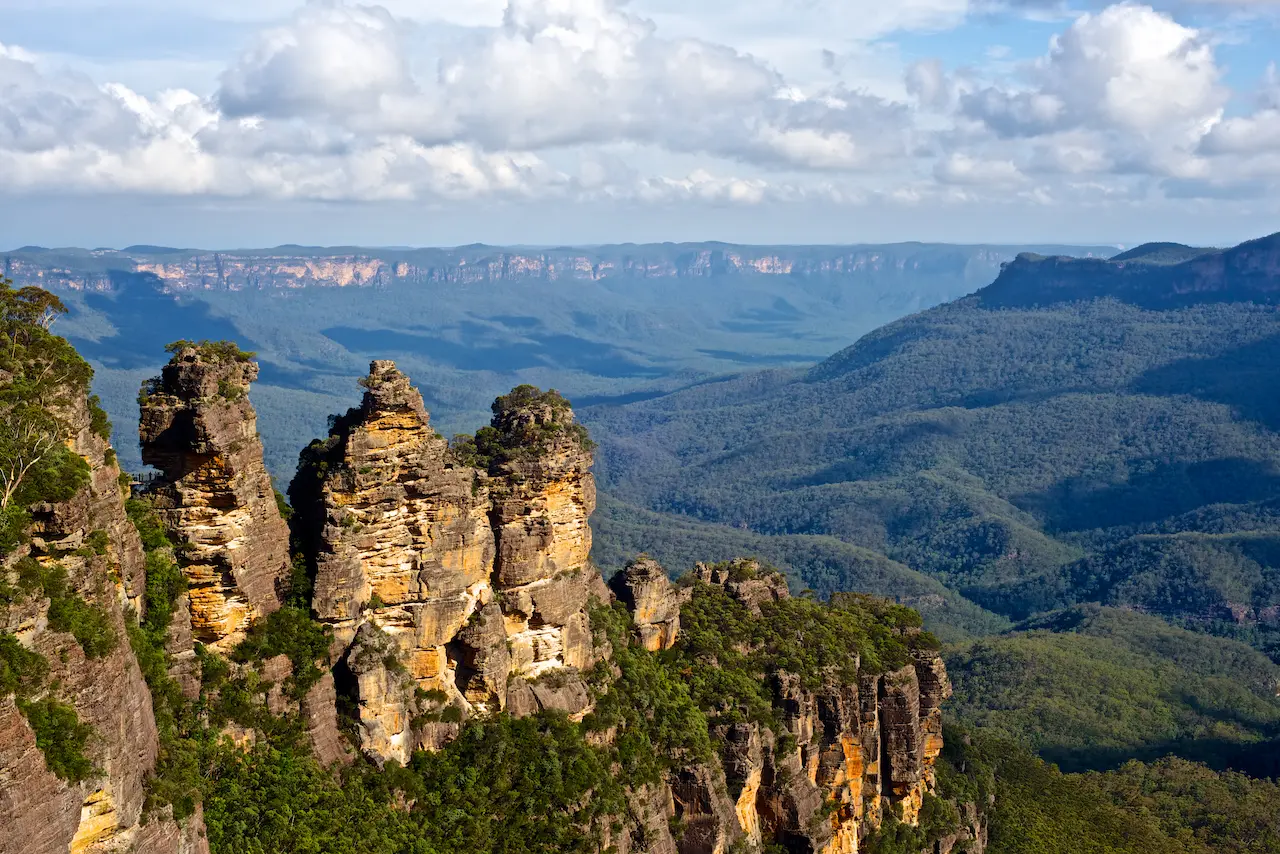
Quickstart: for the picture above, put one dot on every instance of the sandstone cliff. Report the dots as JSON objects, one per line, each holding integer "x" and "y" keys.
{"x": 455, "y": 579}
{"x": 90, "y": 537}
{"x": 200, "y": 430}
{"x": 839, "y": 755}
{"x": 296, "y": 267}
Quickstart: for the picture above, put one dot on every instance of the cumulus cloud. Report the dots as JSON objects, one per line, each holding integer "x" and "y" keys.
{"x": 331, "y": 57}
{"x": 930, "y": 85}
{"x": 961, "y": 169}
{"x": 335, "y": 104}
{"x": 1127, "y": 67}
{"x": 587, "y": 99}
{"x": 556, "y": 73}
{"x": 1125, "y": 101}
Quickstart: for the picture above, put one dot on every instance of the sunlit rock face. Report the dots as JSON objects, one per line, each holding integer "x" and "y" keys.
{"x": 845, "y": 752}
{"x": 467, "y": 568}
{"x": 215, "y": 496}
{"x": 643, "y": 586}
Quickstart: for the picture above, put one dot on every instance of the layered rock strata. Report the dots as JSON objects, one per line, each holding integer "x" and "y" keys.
{"x": 200, "y": 430}
{"x": 455, "y": 580}
{"x": 40, "y": 813}
{"x": 846, "y": 753}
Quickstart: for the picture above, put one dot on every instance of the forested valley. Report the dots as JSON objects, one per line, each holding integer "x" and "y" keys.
{"x": 1064, "y": 486}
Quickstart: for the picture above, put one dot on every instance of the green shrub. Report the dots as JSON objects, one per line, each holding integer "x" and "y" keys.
{"x": 61, "y": 738}
{"x": 21, "y": 670}
{"x": 213, "y": 351}
{"x": 147, "y": 522}
{"x": 650, "y": 703}
{"x": 97, "y": 542}
{"x": 99, "y": 423}
{"x": 89, "y": 624}
{"x": 227, "y": 390}
{"x": 289, "y": 631}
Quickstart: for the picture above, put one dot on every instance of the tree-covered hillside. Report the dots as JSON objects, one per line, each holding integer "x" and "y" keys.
{"x": 1078, "y": 431}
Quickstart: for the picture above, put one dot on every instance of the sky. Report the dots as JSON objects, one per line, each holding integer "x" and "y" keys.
{"x": 444, "y": 122}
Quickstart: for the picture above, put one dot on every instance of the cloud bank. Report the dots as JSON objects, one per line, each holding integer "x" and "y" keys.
{"x": 590, "y": 100}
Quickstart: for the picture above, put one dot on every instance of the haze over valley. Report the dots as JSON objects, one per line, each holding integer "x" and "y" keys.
{"x": 604, "y": 325}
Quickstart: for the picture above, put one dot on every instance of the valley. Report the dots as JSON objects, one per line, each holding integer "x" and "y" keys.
{"x": 999, "y": 577}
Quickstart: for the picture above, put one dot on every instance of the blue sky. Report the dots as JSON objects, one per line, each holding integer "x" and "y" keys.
{"x": 555, "y": 121}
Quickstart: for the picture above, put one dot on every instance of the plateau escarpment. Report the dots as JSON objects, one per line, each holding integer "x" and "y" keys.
{"x": 453, "y": 577}
{"x": 214, "y": 494}
{"x": 289, "y": 267}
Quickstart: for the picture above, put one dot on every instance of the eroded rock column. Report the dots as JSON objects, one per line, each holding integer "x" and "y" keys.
{"x": 454, "y": 578}
{"x": 200, "y": 430}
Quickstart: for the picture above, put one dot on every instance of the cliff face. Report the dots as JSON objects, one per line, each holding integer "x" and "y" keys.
{"x": 451, "y": 584}
{"x": 91, "y": 538}
{"x": 296, "y": 267}
{"x": 215, "y": 497}
{"x": 841, "y": 756}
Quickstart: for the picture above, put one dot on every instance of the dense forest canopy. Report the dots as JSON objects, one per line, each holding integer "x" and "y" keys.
{"x": 1111, "y": 443}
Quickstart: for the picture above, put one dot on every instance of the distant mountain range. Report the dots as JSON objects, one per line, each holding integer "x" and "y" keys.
{"x": 1155, "y": 275}
{"x": 601, "y": 324}
{"x": 1082, "y": 430}
{"x": 180, "y": 270}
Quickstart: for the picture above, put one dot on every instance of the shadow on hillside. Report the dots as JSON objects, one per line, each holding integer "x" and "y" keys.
{"x": 531, "y": 350}
{"x": 146, "y": 319}
{"x": 1257, "y": 759}
{"x": 1081, "y": 503}
{"x": 1243, "y": 379}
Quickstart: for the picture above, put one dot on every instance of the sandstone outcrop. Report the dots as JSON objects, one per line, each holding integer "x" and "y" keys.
{"x": 846, "y": 752}
{"x": 200, "y": 430}
{"x": 644, "y": 587}
{"x": 454, "y": 579}
{"x": 91, "y": 538}
{"x": 285, "y": 269}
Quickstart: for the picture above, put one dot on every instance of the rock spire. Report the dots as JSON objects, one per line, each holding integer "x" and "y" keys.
{"x": 215, "y": 496}
{"x": 454, "y": 578}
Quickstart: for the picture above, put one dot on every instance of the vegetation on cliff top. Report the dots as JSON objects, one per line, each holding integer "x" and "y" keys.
{"x": 212, "y": 351}
{"x": 526, "y": 424}
{"x": 42, "y": 379}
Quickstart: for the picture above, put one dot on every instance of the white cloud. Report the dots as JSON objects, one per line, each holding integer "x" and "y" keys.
{"x": 592, "y": 100}
{"x": 330, "y": 57}
{"x": 1253, "y": 134}
{"x": 1127, "y": 67}
{"x": 556, "y": 73}
{"x": 961, "y": 169}
{"x": 930, "y": 85}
